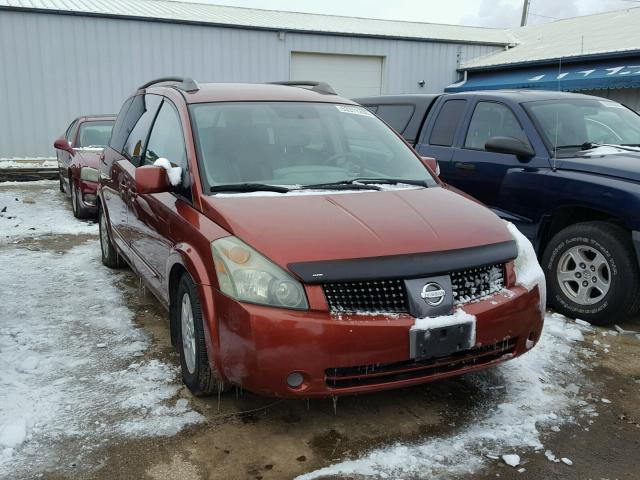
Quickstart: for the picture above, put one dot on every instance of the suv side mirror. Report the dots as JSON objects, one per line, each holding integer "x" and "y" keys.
{"x": 432, "y": 163}
{"x": 151, "y": 179}
{"x": 62, "y": 144}
{"x": 510, "y": 145}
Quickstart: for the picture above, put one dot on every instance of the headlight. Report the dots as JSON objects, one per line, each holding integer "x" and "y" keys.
{"x": 247, "y": 276}
{"x": 89, "y": 174}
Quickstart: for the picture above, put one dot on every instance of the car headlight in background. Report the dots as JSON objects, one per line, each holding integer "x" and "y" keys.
{"x": 89, "y": 174}
{"x": 247, "y": 276}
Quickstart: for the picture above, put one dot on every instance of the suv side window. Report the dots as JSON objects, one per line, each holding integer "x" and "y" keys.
{"x": 447, "y": 121}
{"x": 397, "y": 116}
{"x": 167, "y": 141}
{"x": 492, "y": 119}
{"x": 144, "y": 108}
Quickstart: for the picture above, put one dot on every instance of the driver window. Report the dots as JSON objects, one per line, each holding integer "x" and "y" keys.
{"x": 167, "y": 141}
{"x": 491, "y": 119}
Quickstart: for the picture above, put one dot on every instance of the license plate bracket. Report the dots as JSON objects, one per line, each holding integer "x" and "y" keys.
{"x": 441, "y": 340}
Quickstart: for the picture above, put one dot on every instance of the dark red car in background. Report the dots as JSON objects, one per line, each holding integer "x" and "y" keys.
{"x": 78, "y": 152}
{"x": 302, "y": 248}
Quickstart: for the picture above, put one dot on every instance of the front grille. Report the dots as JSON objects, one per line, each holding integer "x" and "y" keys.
{"x": 366, "y": 375}
{"x": 390, "y": 296}
{"x": 384, "y": 296}
{"x": 475, "y": 283}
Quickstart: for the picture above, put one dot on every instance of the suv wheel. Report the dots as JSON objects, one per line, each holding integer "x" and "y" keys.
{"x": 592, "y": 272}
{"x": 61, "y": 182}
{"x": 110, "y": 256}
{"x": 196, "y": 369}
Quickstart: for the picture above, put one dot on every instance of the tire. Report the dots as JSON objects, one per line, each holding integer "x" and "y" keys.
{"x": 592, "y": 273}
{"x": 61, "y": 183}
{"x": 75, "y": 207}
{"x": 197, "y": 373}
{"x": 110, "y": 257}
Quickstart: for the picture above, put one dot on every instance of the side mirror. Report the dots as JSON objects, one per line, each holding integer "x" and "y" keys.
{"x": 151, "y": 179}
{"x": 62, "y": 144}
{"x": 432, "y": 163}
{"x": 510, "y": 145}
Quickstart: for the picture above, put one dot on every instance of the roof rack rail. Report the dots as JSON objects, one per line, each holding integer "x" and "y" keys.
{"x": 185, "y": 83}
{"x": 320, "y": 87}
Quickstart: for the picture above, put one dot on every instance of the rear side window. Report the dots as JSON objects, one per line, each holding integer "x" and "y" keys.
{"x": 119, "y": 133}
{"x": 447, "y": 122}
{"x": 491, "y": 119}
{"x": 144, "y": 108}
{"x": 397, "y": 116}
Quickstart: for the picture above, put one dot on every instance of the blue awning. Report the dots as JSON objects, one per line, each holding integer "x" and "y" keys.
{"x": 623, "y": 73}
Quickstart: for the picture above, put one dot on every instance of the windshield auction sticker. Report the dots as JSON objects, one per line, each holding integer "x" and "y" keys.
{"x": 354, "y": 110}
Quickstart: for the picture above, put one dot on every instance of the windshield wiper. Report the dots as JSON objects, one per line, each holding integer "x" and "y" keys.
{"x": 591, "y": 145}
{"x": 342, "y": 185}
{"x": 248, "y": 187}
{"x": 391, "y": 181}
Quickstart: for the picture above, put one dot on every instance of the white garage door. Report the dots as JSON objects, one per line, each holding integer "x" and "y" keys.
{"x": 350, "y": 75}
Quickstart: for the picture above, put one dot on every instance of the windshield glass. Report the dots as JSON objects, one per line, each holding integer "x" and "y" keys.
{"x": 94, "y": 134}
{"x": 298, "y": 144}
{"x": 572, "y": 123}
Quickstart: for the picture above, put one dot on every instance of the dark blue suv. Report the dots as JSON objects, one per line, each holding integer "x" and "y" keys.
{"x": 563, "y": 167}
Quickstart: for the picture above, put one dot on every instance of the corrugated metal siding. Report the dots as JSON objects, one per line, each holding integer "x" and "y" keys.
{"x": 627, "y": 96}
{"x": 56, "y": 67}
{"x": 185, "y": 11}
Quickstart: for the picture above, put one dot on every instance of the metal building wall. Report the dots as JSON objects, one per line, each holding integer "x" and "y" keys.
{"x": 56, "y": 67}
{"x": 627, "y": 96}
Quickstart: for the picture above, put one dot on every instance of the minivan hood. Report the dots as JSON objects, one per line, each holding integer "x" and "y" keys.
{"x": 612, "y": 162}
{"x": 336, "y": 226}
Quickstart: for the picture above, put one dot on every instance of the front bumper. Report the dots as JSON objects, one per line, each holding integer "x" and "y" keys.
{"x": 88, "y": 195}
{"x": 257, "y": 347}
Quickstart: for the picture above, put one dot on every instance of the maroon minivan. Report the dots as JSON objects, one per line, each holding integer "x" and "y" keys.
{"x": 302, "y": 248}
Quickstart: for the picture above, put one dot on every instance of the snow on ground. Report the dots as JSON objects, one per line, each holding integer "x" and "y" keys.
{"x": 539, "y": 393}
{"x": 72, "y": 371}
{"x": 31, "y": 163}
{"x": 51, "y": 215}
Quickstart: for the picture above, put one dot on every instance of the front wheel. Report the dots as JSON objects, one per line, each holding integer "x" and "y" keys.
{"x": 110, "y": 257}
{"x": 197, "y": 373}
{"x": 592, "y": 272}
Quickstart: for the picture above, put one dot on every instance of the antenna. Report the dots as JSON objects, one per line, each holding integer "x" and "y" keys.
{"x": 555, "y": 142}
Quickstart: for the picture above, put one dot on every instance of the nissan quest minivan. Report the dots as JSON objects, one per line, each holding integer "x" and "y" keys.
{"x": 302, "y": 248}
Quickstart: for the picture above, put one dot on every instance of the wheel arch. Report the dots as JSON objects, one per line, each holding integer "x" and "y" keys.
{"x": 567, "y": 215}
{"x": 185, "y": 260}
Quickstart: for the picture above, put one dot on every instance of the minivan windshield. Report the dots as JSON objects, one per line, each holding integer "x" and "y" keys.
{"x": 299, "y": 145}
{"x": 576, "y": 124}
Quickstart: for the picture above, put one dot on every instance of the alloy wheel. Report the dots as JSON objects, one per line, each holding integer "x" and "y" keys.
{"x": 188, "y": 333}
{"x": 584, "y": 275}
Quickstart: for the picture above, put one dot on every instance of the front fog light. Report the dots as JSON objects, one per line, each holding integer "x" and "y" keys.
{"x": 295, "y": 379}
{"x": 246, "y": 275}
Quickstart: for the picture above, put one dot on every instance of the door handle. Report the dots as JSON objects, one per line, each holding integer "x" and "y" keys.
{"x": 465, "y": 166}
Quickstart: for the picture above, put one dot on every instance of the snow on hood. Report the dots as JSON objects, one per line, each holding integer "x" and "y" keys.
{"x": 606, "y": 160}
{"x": 539, "y": 392}
{"x": 528, "y": 271}
{"x": 329, "y": 226}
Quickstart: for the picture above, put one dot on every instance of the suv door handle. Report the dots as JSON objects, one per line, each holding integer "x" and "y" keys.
{"x": 465, "y": 166}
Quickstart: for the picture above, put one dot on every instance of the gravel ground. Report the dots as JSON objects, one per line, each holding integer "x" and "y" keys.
{"x": 94, "y": 382}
